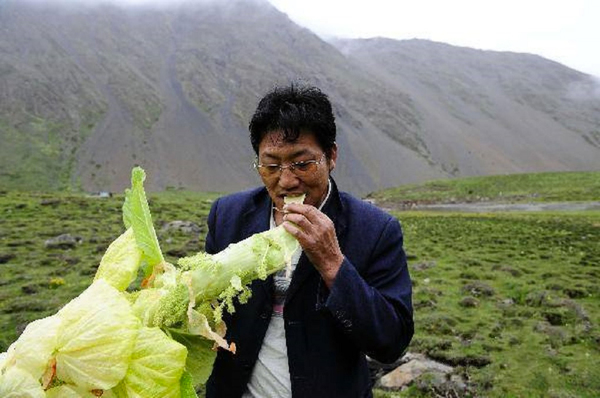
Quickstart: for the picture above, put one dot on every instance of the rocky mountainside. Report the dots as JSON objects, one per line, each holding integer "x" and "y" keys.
{"x": 485, "y": 112}
{"x": 89, "y": 91}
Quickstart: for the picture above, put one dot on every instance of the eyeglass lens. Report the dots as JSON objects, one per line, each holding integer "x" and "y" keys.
{"x": 302, "y": 167}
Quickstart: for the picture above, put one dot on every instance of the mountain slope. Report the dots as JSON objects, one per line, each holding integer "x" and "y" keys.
{"x": 491, "y": 112}
{"x": 88, "y": 91}
{"x": 173, "y": 89}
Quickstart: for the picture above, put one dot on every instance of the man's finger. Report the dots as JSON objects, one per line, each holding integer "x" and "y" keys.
{"x": 298, "y": 219}
{"x": 292, "y": 228}
{"x": 310, "y": 212}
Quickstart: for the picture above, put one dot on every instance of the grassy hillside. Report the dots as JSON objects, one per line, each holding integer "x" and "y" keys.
{"x": 511, "y": 300}
{"x": 513, "y": 188}
{"x": 37, "y": 280}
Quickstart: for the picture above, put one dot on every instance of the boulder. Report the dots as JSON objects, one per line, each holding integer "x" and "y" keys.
{"x": 478, "y": 289}
{"x": 408, "y": 372}
{"x": 187, "y": 227}
{"x": 50, "y": 202}
{"x": 64, "y": 241}
{"x": 469, "y": 302}
{"x": 423, "y": 266}
{"x": 6, "y": 257}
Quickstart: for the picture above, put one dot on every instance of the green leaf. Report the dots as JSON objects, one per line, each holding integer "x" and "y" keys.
{"x": 136, "y": 214}
{"x": 95, "y": 338}
{"x": 67, "y": 391}
{"x": 119, "y": 265}
{"x": 156, "y": 366}
{"x": 34, "y": 348}
{"x": 186, "y": 386}
{"x": 17, "y": 382}
{"x": 201, "y": 356}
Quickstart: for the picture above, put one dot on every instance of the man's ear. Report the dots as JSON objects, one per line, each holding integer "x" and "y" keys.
{"x": 332, "y": 157}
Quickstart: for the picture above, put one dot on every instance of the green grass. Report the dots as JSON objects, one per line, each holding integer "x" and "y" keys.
{"x": 539, "y": 187}
{"x": 533, "y": 278}
{"x": 36, "y": 281}
{"x": 511, "y": 300}
{"x": 40, "y": 154}
{"x": 31, "y": 156}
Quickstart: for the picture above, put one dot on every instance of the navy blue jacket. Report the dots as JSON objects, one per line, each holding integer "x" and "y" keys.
{"x": 328, "y": 333}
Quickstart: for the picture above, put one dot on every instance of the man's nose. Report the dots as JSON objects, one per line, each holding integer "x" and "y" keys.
{"x": 288, "y": 179}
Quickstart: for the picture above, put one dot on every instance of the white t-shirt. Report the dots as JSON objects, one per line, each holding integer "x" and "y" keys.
{"x": 271, "y": 375}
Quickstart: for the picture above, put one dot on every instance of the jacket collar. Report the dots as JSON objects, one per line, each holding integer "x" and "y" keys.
{"x": 334, "y": 209}
{"x": 256, "y": 217}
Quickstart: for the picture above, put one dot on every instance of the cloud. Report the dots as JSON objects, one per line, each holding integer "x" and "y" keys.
{"x": 585, "y": 90}
{"x": 128, "y": 3}
{"x": 566, "y": 31}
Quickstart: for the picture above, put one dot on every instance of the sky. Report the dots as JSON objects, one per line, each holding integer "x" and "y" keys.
{"x": 566, "y": 31}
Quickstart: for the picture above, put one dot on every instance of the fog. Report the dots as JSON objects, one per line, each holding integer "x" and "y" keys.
{"x": 560, "y": 30}
{"x": 134, "y": 3}
{"x": 566, "y": 31}
{"x": 585, "y": 90}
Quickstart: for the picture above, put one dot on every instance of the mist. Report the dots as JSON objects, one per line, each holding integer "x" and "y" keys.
{"x": 160, "y": 4}
{"x": 586, "y": 90}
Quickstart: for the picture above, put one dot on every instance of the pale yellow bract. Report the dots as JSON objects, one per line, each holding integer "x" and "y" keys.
{"x": 294, "y": 199}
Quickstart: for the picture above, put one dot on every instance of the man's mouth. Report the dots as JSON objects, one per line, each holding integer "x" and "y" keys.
{"x": 285, "y": 198}
{"x": 292, "y": 194}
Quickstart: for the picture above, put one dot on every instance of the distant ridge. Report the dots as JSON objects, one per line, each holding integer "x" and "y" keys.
{"x": 87, "y": 92}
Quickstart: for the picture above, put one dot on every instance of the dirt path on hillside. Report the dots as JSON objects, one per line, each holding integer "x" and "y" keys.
{"x": 492, "y": 207}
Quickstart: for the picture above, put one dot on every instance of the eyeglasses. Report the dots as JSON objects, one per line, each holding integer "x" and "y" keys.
{"x": 300, "y": 169}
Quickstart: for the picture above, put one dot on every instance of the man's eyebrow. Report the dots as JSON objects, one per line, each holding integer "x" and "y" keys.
{"x": 300, "y": 152}
{"x": 269, "y": 156}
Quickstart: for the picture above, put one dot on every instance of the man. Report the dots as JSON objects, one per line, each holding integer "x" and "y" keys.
{"x": 307, "y": 334}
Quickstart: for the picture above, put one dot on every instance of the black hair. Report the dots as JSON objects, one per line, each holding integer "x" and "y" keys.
{"x": 292, "y": 110}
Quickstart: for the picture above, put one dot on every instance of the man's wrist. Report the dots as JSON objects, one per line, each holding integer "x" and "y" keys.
{"x": 330, "y": 272}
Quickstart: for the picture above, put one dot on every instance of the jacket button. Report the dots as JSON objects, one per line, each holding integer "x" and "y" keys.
{"x": 246, "y": 365}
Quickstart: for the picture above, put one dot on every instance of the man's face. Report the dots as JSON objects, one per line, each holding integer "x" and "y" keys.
{"x": 274, "y": 150}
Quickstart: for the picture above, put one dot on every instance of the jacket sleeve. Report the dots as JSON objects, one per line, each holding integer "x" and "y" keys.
{"x": 210, "y": 243}
{"x": 374, "y": 307}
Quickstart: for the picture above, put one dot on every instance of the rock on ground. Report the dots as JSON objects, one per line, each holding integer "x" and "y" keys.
{"x": 64, "y": 241}
{"x": 187, "y": 227}
{"x": 408, "y": 372}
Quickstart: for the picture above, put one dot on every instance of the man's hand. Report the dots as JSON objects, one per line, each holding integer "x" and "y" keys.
{"x": 316, "y": 234}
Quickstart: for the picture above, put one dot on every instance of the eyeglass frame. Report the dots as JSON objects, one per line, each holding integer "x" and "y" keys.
{"x": 291, "y": 166}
